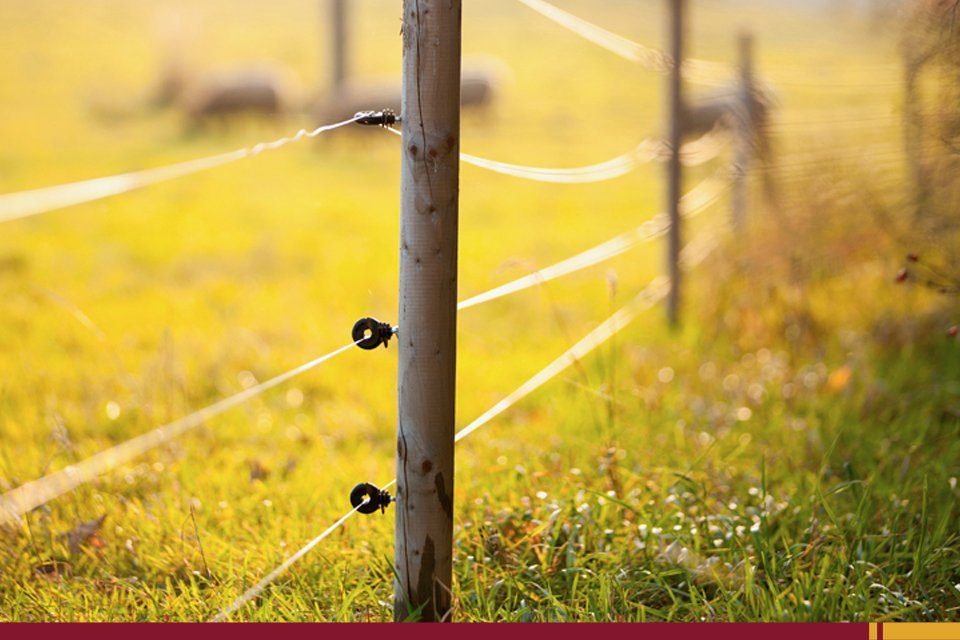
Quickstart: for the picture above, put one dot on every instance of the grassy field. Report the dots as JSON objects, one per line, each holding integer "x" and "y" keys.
{"x": 791, "y": 454}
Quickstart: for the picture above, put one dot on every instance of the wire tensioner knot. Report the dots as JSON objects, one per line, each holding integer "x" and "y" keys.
{"x": 383, "y": 118}
{"x": 370, "y": 333}
{"x": 367, "y": 498}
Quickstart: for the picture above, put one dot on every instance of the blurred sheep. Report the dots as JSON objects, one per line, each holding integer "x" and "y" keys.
{"x": 480, "y": 82}
{"x": 216, "y": 98}
{"x": 255, "y": 91}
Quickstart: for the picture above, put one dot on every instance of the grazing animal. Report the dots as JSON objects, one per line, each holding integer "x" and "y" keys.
{"x": 723, "y": 108}
{"x": 480, "y": 81}
{"x": 220, "y": 97}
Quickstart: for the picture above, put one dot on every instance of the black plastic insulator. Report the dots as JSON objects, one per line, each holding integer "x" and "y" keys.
{"x": 370, "y": 333}
{"x": 383, "y": 118}
{"x": 376, "y": 498}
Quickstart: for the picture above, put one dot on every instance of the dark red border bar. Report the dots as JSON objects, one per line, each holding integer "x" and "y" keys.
{"x": 294, "y": 631}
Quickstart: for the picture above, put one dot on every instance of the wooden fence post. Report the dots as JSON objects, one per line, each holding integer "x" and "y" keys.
{"x": 913, "y": 61}
{"x": 429, "y": 190}
{"x": 339, "y": 42}
{"x": 675, "y": 109}
{"x": 745, "y": 131}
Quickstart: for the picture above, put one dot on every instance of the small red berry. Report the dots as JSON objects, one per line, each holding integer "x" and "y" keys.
{"x": 953, "y": 331}
{"x": 912, "y": 257}
{"x": 902, "y": 275}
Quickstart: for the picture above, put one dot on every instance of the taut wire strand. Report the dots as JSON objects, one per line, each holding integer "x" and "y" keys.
{"x": 704, "y": 72}
{"x": 256, "y": 589}
{"x": 31, "y": 495}
{"x": 24, "y": 204}
{"x": 700, "y": 71}
{"x": 695, "y": 201}
{"x": 694, "y": 153}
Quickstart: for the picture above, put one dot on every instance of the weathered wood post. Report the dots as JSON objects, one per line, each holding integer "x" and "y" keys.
{"x": 913, "y": 61}
{"x": 429, "y": 192}
{"x": 339, "y": 42}
{"x": 745, "y": 131}
{"x": 675, "y": 114}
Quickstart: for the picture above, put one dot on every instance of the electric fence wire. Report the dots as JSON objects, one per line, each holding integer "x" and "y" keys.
{"x": 698, "y": 71}
{"x": 31, "y": 495}
{"x": 695, "y": 201}
{"x": 695, "y": 153}
{"x": 256, "y": 589}
{"x": 695, "y": 252}
{"x": 23, "y": 204}
{"x": 704, "y": 72}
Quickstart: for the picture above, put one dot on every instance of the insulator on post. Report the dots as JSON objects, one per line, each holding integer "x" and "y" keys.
{"x": 370, "y": 333}
{"x": 383, "y": 118}
{"x": 367, "y": 498}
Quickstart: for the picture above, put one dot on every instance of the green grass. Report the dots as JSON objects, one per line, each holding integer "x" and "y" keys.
{"x": 791, "y": 454}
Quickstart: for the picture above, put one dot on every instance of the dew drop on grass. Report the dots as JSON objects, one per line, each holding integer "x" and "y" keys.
{"x": 113, "y": 410}
{"x": 731, "y": 382}
{"x": 264, "y": 421}
{"x": 246, "y": 379}
{"x": 707, "y": 371}
{"x": 295, "y": 397}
